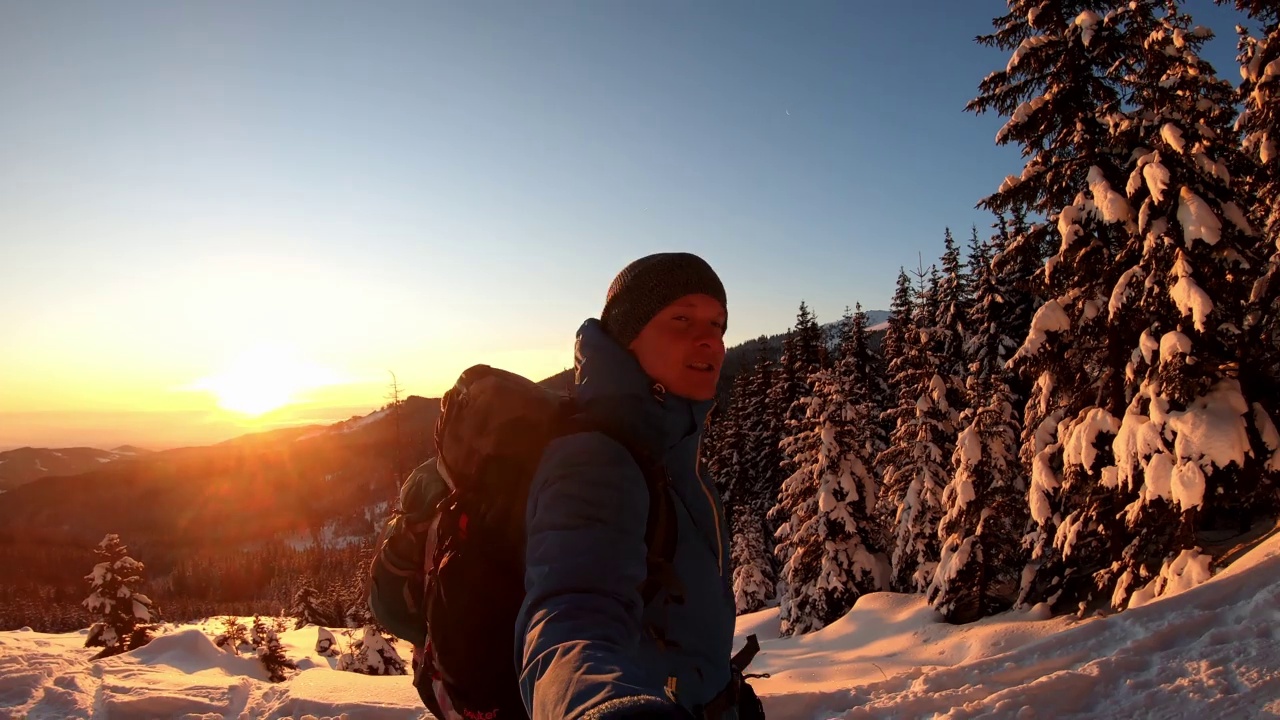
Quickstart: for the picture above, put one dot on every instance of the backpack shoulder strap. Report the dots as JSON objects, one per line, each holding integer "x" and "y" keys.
{"x": 660, "y": 532}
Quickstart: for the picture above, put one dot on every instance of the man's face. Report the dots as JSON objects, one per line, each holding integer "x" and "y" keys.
{"x": 682, "y": 346}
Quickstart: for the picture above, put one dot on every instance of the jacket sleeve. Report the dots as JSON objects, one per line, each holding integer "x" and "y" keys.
{"x": 580, "y": 624}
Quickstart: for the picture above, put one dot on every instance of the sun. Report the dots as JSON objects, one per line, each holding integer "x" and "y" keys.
{"x": 261, "y": 379}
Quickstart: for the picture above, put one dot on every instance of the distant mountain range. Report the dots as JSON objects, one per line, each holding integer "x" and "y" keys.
{"x": 23, "y": 465}
{"x": 250, "y": 488}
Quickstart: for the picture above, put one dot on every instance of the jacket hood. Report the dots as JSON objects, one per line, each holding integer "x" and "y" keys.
{"x": 614, "y": 390}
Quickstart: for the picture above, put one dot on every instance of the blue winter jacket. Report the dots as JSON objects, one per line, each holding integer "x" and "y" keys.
{"x": 582, "y": 645}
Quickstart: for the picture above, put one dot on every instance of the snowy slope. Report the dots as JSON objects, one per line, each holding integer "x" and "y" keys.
{"x": 24, "y": 465}
{"x": 1210, "y": 652}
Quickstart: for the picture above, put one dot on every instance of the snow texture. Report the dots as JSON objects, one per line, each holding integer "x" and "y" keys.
{"x": 1147, "y": 344}
{"x": 1209, "y": 167}
{"x": 1191, "y": 300}
{"x": 1049, "y": 318}
{"x": 1109, "y": 205}
{"x": 1079, "y": 448}
{"x": 1157, "y": 179}
{"x": 1233, "y": 213}
{"x": 1069, "y": 226}
{"x": 1027, "y": 45}
{"x": 1207, "y": 647}
{"x": 1120, "y": 293}
{"x": 1211, "y": 431}
{"x": 1172, "y": 135}
{"x": 1087, "y": 21}
{"x": 1172, "y": 343}
{"x": 1189, "y": 569}
{"x": 1270, "y": 438}
{"x": 1197, "y": 219}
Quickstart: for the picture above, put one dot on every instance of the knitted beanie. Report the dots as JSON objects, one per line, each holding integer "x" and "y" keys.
{"x": 651, "y": 283}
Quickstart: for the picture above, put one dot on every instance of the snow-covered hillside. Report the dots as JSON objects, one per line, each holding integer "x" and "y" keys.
{"x": 23, "y": 465}
{"x": 1210, "y": 652}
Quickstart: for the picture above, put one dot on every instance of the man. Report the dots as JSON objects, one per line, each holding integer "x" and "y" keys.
{"x": 588, "y": 645}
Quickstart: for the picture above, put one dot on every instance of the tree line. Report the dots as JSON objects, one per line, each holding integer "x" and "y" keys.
{"x": 1059, "y": 414}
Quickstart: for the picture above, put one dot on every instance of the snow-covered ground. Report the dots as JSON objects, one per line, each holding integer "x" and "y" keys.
{"x": 1212, "y": 651}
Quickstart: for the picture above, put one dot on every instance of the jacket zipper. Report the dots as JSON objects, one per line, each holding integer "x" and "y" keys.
{"x": 659, "y": 392}
{"x": 715, "y": 513}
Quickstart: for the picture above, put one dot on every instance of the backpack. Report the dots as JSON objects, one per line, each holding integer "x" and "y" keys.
{"x": 449, "y": 572}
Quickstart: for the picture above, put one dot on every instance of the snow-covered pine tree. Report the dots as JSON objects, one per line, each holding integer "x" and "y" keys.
{"x": 372, "y": 654}
{"x": 716, "y": 455}
{"x": 761, "y": 421}
{"x": 986, "y": 514}
{"x": 803, "y": 354}
{"x": 1259, "y": 123}
{"x": 782, "y": 394}
{"x": 270, "y": 652}
{"x": 913, "y": 467}
{"x": 355, "y": 594}
{"x": 306, "y": 608}
{"x": 949, "y": 334}
{"x": 1059, "y": 93}
{"x": 899, "y": 331}
{"x": 124, "y": 614}
{"x": 806, "y": 355}
{"x": 810, "y": 348}
{"x": 862, "y": 372}
{"x": 824, "y": 512}
{"x": 1015, "y": 261}
{"x": 897, "y": 334}
{"x": 1188, "y": 450}
{"x": 754, "y": 582}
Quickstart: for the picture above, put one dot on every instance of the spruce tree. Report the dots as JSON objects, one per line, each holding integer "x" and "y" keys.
{"x": 270, "y": 652}
{"x": 1188, "y": 449}
{"x": 747, "y": 494}
{"x": 810, "y": 348}
{"x": 825, "y": 509}
{"x": 124, "y": 615}
{"x": 787, "y": 407}
{"x": 803, "y": 354}
{"x": 1015, "y": 263}
{"x": 950, "y": 318}
{"x": 783, "y": 392}
{"x": 1259, "y": 123}
{"x": 862, "y": 372}
{"x": 753, "y": 576}
{"x": 899, "y": 332}
{"x": 1137, "y": 348}
{"x": 1062, "y": 103}
{"x": 981, "y": 561}
{"x": 372, "y": 654}
{"x": 234, "y": 637}
{"x": 913, "y": 468}
{"x": 306, "y": 608}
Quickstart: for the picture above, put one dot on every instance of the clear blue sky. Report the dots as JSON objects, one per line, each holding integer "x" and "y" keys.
{"x": 384, "y": 184}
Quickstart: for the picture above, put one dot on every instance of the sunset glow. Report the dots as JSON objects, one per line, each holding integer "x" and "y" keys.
{"x": 263, "y": 378}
